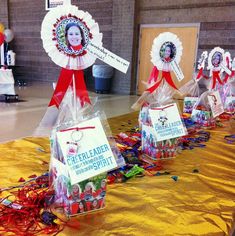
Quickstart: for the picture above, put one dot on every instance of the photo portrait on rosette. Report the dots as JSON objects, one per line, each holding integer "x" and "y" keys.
{"x": 217, "y": 58}
{"x": 72, "y": 37}
{"x": 167, "y": 52}
{"x": 67, "y": 33}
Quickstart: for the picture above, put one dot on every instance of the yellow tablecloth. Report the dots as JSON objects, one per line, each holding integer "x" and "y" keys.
{"x": 197, "y": 204}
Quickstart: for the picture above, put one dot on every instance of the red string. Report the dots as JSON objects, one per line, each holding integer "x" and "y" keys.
{"x": 162, "y": 108}
{"x": 77, "y": 128}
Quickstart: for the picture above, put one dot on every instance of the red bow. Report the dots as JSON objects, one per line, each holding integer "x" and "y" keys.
{"x": 215, "y": 76}
{"x": 64, "y": 81}
{"x": 165, "y": 75}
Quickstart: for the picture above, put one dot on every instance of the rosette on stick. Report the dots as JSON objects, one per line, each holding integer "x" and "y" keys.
{"x": 165, "y": 55}
{"x": 66, "y": 33}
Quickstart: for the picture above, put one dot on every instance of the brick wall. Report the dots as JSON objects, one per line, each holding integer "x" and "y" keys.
{"x": 119, "y": 22}
{"x": 31, "y": 59}
{"x": 122, "y": 42}
{"x": 4, "y": 12}
{"x": 216, "y": 17}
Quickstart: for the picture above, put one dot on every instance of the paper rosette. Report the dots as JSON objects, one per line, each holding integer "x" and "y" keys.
{"x": 54, "y": 42}
{"x": 159, "y": 43}
{"x": 212, "y": 54}
{"x": 202, "y": 60}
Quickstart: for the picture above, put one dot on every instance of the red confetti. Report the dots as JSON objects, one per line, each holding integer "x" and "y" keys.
{"x": 28, "y": 219}
{"x": 32, "y": 176}
{"x": 21, "y": 179}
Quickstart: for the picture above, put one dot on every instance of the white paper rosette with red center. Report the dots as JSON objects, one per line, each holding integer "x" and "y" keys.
{"x": 165, "y": 55}
{"x": 160, "y": 43}
{"x": 218, "y": 63}
{"x": 54, "y": 37}
{"x": 216, "y": 53}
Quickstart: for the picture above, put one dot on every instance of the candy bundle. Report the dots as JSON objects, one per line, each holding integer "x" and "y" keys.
{"x": 82, "y": 151}
{"x": 151, "y": 147}
{"x": 202, "y": 113}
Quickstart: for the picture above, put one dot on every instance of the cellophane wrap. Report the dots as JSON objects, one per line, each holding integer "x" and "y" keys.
{"x": 202, "y": 113}
{"x": 191, "y": 92}
{"x": 228, "y": 97}
{"x": 89, "y": 194}
{"x": 155, "y": 150}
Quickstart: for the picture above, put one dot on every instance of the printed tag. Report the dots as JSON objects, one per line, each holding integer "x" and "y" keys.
{"x": 86, "y": 150}
{"x": 215, "y": 103}
{"x": 177, "y": 70}
{"x": 189, "y": 103}
{"x": 108, "y": 57}
{"x": 167, "y": 122}
{"x": 54, "y": 3}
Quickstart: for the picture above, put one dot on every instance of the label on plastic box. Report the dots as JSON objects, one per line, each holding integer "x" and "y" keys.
{"x": 167, "y": 122}
{"x": 86, "y": 150}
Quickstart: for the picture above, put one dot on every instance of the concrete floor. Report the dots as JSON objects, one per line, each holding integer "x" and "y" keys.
{"x": 20, "y": 119}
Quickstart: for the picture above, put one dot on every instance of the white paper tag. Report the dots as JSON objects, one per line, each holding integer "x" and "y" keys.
{"x": 108, "y": 57}
{"x": 215, "y": 103}
{"x": 177, "y": 70}
{"x": 93, "y": 155}
{"x": 189, "y": 103}
{"x": 167, "y": 122}
{"x": 226, "y": 69}
{"x": 50, "y": 4}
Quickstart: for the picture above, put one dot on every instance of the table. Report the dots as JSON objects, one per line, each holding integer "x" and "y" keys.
{"x": 7, "y": 82}
{"x": 197, "y": 204}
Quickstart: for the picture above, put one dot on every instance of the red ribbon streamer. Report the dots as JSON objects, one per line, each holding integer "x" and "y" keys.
{"x": 215, "y": 76}
{"x": 165, "y": 75}
{"x": 227, "y": 75}
{"x": 64, "y": 81}
{"x": 154, "y": 75}
{"x": 199, "y": 75}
